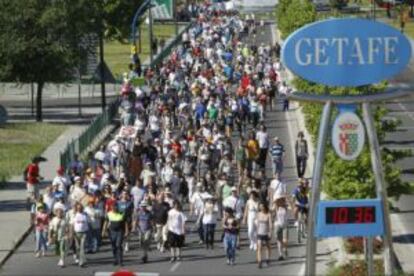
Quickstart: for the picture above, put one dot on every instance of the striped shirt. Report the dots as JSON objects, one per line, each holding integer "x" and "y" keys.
{"x": 276, "y": 151}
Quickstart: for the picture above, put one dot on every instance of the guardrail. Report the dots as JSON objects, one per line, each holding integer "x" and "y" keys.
{"x": 85, "y": 140}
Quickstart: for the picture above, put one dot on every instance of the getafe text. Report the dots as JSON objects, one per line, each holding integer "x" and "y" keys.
{"x": 345, "y": 51}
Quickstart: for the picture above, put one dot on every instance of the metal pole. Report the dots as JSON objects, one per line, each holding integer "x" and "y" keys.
{"x": 380, "y": 186}
{"x": 79, "y": 92}
{"x": 316, "y": 191}
{"x": 175, "y": 17}
{"x": 32, "y": 97}
{"x": 140, "y": 39}
{"x": 370, "y": 255}
{"x": 150, "y": 33}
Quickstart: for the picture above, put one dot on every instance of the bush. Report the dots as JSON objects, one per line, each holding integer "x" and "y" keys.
{"x": 357, "y": 268}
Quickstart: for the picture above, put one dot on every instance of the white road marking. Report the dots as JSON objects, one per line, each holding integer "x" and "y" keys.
{"x": 302, "y": 270}
{"x": 175, "y": 266}
{"x": 410, "y": 114}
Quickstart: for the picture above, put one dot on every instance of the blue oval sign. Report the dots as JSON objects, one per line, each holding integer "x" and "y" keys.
{"x": 346, "y": 52}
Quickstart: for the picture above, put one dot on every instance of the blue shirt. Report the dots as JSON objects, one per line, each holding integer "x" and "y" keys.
{"x": 301, "y": 198}
{"x": 276, "y": 151}
{"x": 200, "y": 110}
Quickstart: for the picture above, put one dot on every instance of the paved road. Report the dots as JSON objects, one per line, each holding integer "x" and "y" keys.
{"x": 195, "y": 258}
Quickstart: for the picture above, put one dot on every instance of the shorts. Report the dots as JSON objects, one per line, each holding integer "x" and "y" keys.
{"x": 175, "y": 240}
{"x": 281, "y": 233}
{"x": 33, "y": 189}
{"x": 263, "y": 238}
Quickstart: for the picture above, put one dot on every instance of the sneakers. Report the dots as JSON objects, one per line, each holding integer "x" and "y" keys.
{"x": 172, "y": 259}
{"x": 232, "y": 262}
{"x": 126, "y": 249}
{"x": 251, "y": 246}
{"x": 76, "y": 260}
{"x": 255, "y": 247}
{"x": 61, "y": 263}
{"x": 281, "y": 258}
{"x": 296, "y": 224}
{"x": 43, "y": 253}
{"x": 162, "y": 249}
{"x": 228, "y": 262}
{"x": 37, "y": 255}
{"x": 158, "y": 246}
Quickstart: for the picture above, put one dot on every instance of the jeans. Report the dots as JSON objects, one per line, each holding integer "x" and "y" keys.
{"x": 80, "y": 239}
{"x": 201, "y": 231}
{"x": 230, "y": 245}
{"x": 93, "y": 240}
{"x": 277, "y": 166}
{"x": 117, "y": 238}
{"x": 209, "y": 233}
{"x": 41, "y": 240}
{"x": 301, "y": 165}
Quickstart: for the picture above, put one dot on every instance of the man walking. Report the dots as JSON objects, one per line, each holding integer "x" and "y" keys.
{"x": 277, "y": 152}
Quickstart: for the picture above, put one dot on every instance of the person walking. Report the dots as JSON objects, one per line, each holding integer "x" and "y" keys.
{"x": 116, "y": 221}
{"x": 281, "y": 215}
{"x": 230, "y": 226}
{"x": 301, "y": 153}
{"x": 160, "y": 210}
{"x": 80, "y": 224}
{"x": 33, "y": 178}
{"x": 145, "y": 226}
{"x": 250, "y": 214}
{"x": 58, "y": 233}
{"x": 264, "y": 229}
{"x": 262, "y": 138}
{"x": 208, "y": 217}
{"x": 176, "y": 230}
{"x": 277, "y": 152}
{"x": 41, "y": 227}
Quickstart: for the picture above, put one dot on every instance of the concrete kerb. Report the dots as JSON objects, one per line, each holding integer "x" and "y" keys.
{"x": 335, "y": 244}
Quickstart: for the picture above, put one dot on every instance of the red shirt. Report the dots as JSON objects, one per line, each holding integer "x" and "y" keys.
{"x": 245, "y": 81}
{"x": 33, "y": 174}
{"x": 109, "y": 204}
{"x": 177, "y": 148}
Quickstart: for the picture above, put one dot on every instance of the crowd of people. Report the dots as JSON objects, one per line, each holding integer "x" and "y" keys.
{"x": 195, "y": 138}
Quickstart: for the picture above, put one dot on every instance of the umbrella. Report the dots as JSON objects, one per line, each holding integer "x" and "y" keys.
{"x": 39, "y": 159}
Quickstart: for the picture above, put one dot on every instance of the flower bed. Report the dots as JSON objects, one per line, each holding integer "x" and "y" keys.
{"x": 355, "y": 245}
{"x": 357, "y": 268}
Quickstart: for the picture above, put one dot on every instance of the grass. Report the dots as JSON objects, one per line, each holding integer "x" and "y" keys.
{"x": 118, "y": 55}
{"x": 19, "y": 143}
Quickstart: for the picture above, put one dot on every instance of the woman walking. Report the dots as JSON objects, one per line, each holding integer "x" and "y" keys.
{"x": 176, "y": 231}
{"x": 264, "y": 230}
{"x": 230, "y": 226}
{"x": 117, "y": 228}
{"x": 209, "y": 220}
{"x": 249, "y": 218}
{"x": 58, "y": 232}
{"x": 281, "y": 226}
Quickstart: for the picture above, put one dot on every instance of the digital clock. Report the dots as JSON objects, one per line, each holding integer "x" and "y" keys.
{"x": 339, "y": 215}
{"x": 349, "y": 218}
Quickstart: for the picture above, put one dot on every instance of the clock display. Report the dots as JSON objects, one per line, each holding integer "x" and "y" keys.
{"x": 348, "y": 215}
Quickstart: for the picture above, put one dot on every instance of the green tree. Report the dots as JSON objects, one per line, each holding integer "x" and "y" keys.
{"x": 118, "y": 15}
{"x": 295, "y": 14}
{"x": 344, "y": 179}
{"x": 40, "y": 39}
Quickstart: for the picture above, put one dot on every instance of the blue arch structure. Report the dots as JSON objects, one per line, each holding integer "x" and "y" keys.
{"x": 144, "y": 6}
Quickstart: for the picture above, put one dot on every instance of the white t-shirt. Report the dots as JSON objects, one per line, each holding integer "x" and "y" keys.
{"x": 197, "y": 201}
{"x": 62, "y": 182}
{"x": 176, "y": 221}
{"x": 236, "y": 204}
{"x": 80, "y": 223}
{"x": 279, "y": 188}
{"x": 154, "y": 123}
{"x": 263, "y": 139}
{"x": 209, "y": 215}
{"x": 281, "y": 217}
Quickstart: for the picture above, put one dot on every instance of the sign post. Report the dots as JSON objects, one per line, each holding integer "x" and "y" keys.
{"x": 348, "y": 52}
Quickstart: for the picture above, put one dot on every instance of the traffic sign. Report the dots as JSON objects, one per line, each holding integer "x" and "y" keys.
{"x": 348, "y": 218}
{"x": 346, "y": 52}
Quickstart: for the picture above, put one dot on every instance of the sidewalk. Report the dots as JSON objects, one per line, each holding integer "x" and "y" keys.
{"x": 13, "y": 213}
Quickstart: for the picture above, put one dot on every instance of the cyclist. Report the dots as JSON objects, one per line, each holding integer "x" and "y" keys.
{"x": 301, "y": 200}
